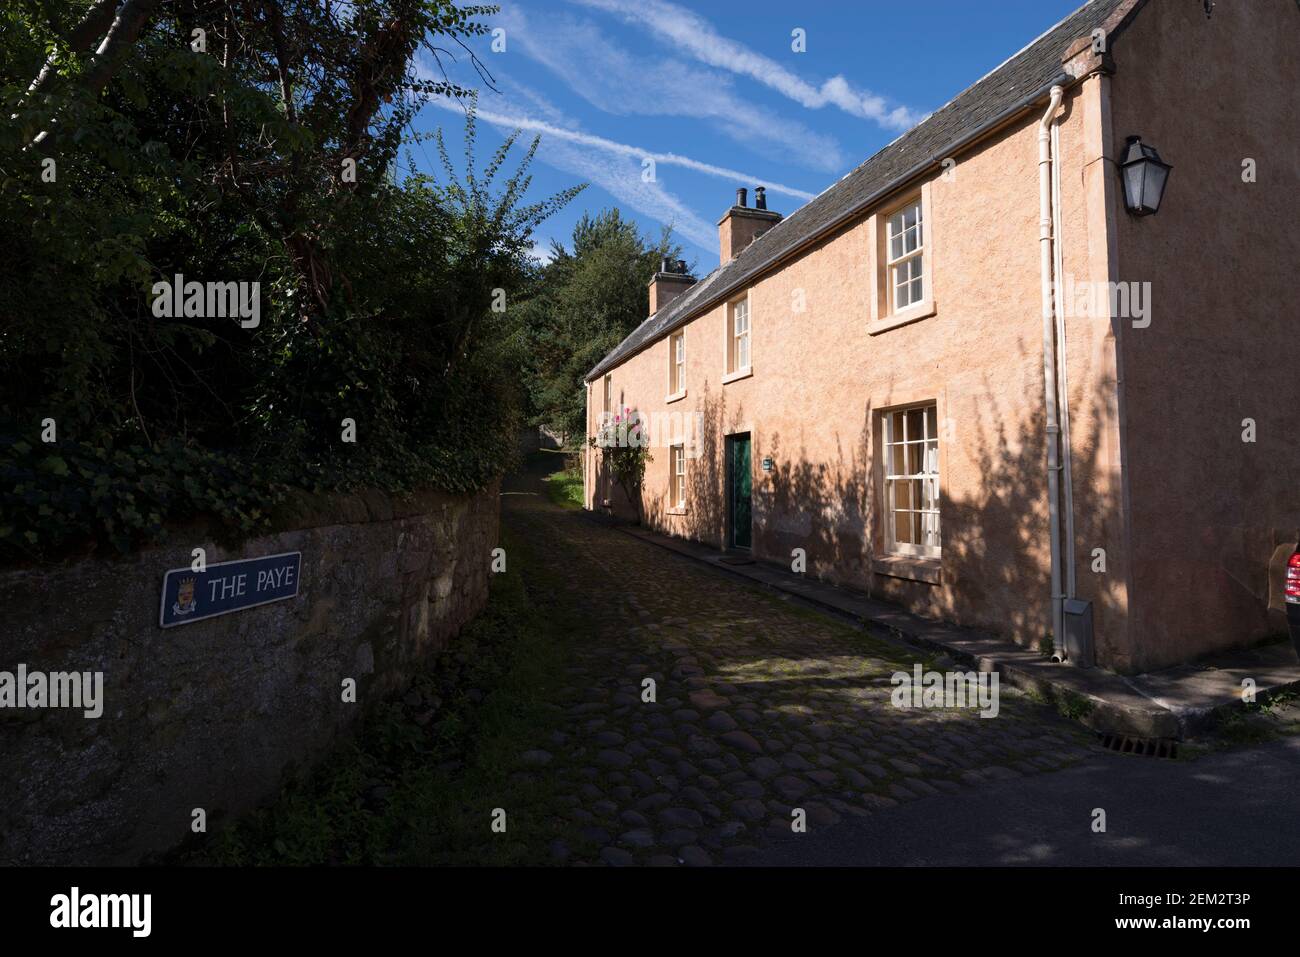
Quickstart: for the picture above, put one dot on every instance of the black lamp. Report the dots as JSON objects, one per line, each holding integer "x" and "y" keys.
{"x": 1145, "y": 175}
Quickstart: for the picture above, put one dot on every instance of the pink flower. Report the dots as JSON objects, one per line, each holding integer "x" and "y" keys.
{"x": 615, "y": 418}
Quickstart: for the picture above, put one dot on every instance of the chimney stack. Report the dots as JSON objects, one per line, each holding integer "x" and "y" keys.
{"x": 668, "y": 283}
{"x": 743, "y": 224}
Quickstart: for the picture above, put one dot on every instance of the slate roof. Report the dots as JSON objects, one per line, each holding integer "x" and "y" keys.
{"x": 1002, "y": 92}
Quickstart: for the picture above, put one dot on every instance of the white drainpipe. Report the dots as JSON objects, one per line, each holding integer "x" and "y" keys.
{"x": 1062, "y": 379}
{"x": 1050, "y": 393}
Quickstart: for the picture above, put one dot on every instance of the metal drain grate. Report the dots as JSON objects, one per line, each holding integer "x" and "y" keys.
{"x": 1145, "y": 747}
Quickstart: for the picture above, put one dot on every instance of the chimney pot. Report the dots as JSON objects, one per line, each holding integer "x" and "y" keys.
{"x": 665, "y": 264}
{"x": 760, "y": 197}
{"x": 741, "y": 195}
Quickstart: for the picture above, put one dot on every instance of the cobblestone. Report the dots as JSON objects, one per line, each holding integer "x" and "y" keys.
{"x": 762, "y": 707}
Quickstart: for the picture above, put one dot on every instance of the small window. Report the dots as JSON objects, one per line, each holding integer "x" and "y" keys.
{"x": 911, "y": 445}
{"x": 738, "y": 338}
{"x": 677, "y": 366}
{"x": 678, "y": 489}
{"x": 609, "y": 393}
{"x": 906, "y": 257}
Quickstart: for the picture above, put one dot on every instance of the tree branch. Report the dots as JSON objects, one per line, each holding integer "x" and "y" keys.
{"x": 117, "y": 43}
{"x": 82, "y": 38}
{"x": 276, "y": 19}
{"x": 126, "y": 27}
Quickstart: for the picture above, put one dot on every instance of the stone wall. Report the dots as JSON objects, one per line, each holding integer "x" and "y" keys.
{"x": 218, "y": 714}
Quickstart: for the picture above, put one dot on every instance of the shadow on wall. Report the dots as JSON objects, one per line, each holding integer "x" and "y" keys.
{"x": 996, "y": 547}
{"x": 610, "y": 498}
{"x": 996, "y": 554}
{"x": 706, "y": 475}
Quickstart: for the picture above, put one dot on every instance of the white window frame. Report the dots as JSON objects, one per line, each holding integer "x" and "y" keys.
{"x": 676, "y": 365}
{"x": 677, "y": 476}
{"x": 886, "y": 311}
{"x": 892, "y": 437}
{"x": 910, "y": 259}
{"x": 735, "y": 339}
{"x": 609, "y": 392}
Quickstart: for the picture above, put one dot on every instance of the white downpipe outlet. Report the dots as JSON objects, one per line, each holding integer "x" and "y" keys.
{"x": 1053, "y": 428}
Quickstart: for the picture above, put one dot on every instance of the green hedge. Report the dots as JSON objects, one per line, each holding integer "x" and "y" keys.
{"x": 67, "y": 496}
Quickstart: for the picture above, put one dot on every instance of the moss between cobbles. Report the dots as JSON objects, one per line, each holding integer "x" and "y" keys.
{"x": 407, "y": 792}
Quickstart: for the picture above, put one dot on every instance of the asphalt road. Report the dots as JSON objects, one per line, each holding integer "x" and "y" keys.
{"x": 1239, "y": 807}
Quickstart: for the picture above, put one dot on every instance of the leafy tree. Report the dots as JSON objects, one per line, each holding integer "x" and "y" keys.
{"x": 588, "y": 299}
{"x": 136, "y": 153}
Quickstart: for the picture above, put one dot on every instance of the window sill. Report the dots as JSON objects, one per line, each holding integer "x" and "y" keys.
{"x": 675, "y": 397}
{"x": 911, "y": 568}
{"x": 676, "y": 510}
{"x": 744, "y": 373}
{"x": 922, "y": 310}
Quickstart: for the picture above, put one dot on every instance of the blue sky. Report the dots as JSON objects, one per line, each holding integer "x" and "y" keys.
{"x": 712, "y": 90}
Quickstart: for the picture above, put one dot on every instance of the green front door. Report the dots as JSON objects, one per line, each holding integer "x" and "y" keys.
{"x": 741, "y": 483}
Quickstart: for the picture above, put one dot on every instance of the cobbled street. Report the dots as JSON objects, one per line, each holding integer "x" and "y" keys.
{"x": 762, "y": 707}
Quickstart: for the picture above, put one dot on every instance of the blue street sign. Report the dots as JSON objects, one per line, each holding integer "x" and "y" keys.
{"x": 189, "y": 596}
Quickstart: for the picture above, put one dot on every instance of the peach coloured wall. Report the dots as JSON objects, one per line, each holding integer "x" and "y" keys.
{"x": 820, "y": 380}
{"x": 1224, "y": 342}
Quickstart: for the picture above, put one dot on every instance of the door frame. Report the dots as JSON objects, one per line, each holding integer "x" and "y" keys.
{"x": 729, "y": 540}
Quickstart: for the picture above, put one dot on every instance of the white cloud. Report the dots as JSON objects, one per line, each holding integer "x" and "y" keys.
{"x": 621, "y": 177}
{"x": 690, "y": 32}
{"x": 541, "y": 252}
{"x": 617, "y": 82}
{"x": 614, "y": 167}
{"x": 625, "y": 150}
{"x": 538, "y": 105}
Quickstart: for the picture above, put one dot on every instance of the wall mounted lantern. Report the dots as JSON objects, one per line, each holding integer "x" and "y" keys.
{"x": 1145, "y": 175}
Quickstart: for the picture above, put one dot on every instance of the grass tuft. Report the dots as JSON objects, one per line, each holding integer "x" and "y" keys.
{"x": 565, "y": 489}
